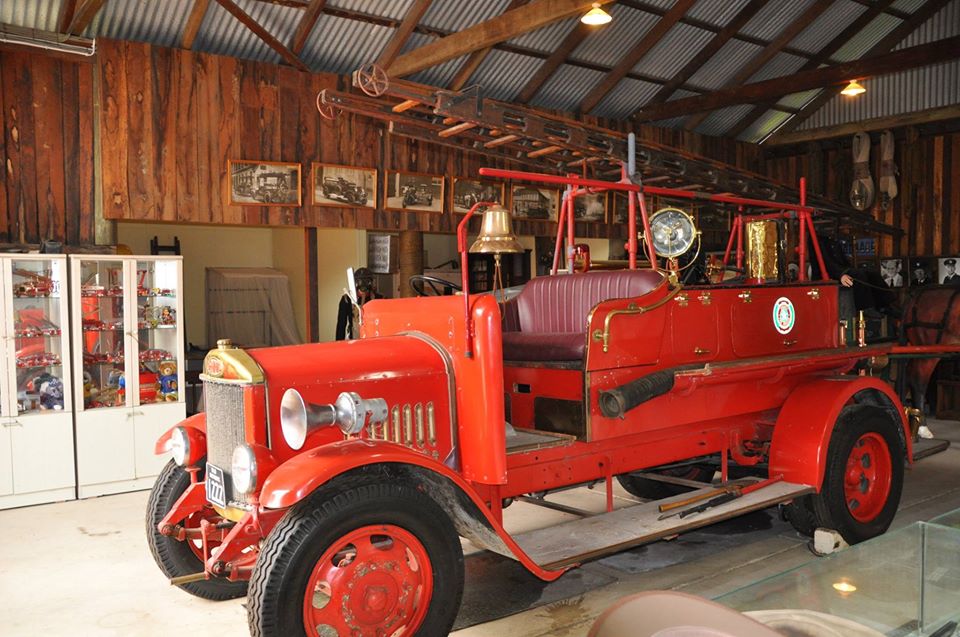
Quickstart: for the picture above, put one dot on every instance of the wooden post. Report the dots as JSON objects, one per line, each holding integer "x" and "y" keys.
{"x": 411, "y": 259}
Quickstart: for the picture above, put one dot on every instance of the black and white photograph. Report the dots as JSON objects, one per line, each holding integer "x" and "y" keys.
{"x": 414, "y": 191}
{"x": 947, "y": 274}
{"x": 892, "y": 272}
{"x": 336, "y": 185}
{"x": 923, "y": 272}
{"x": 264, "y": 183}
{"x": 467, "y": 192}
{"x": 530, "y": 202}
{"x": 591, "y": 208}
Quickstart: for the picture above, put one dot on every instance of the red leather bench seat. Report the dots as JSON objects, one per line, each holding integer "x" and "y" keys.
{"x": 552, "y": 312}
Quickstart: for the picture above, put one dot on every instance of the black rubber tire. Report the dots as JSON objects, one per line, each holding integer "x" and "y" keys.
{"x": 829, "y": 507}
{"x": 173, "y": 557}
{"x": 289, "y": 554}
{"x": 799, "y": 513}
{"x": 655, "y": 490}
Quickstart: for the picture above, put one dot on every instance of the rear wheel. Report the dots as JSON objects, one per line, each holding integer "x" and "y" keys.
{"x": 655, "y": 490}
{"x": 177, "y": 558}
{"x": 373, "y": 559}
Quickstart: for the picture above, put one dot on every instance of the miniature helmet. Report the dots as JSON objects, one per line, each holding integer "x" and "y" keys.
{"x": 364, "y": 279}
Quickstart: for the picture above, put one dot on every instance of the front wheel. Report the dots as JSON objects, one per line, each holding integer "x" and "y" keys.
{"x": 373, "y": 559}
{"x": 177, "y": 558}
{"x": 863, "y": 477}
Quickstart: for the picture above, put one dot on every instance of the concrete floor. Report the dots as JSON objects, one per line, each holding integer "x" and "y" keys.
{"x": 83, "y": 568}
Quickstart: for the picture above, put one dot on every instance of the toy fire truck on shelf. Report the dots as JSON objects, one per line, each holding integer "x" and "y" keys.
{"x": 331, "y": 482}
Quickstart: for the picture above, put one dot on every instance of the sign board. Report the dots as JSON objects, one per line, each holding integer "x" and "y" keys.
{"x": 383, "y": 253}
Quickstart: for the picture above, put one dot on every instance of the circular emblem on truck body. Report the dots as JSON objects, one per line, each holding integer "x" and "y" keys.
{"x": 784, "y": 316}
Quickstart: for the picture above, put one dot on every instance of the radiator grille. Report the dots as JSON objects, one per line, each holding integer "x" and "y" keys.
{"x": 225, "y": 417}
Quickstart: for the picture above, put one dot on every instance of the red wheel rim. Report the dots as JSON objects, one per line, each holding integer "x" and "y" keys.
{"x": 376, "y": 580}
{"x": 866, "y": 481}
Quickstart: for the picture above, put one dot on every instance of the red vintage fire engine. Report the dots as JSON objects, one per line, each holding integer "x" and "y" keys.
{"x": 331, "y": 482}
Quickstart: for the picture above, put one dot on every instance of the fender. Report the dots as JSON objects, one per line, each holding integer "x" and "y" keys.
{"x": 297, "y": 478}
{"x": 802, "y": 433}
{"x": 197, "y": 421}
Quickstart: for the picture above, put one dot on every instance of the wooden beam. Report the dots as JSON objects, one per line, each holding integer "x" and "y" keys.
{"x": 822, "y": 57}
{"x": 263, "y": 34}
{"x": 792, "y": 30}
{"x": 83, "y": 13}
{"x": 477, "y": 57}
{"x": 535, "y": 15}
{"x": 889, "y": 41}
{"x": 456, "y": 129}
{"x": 837, "y": 75}
{"x": 631, "y": 59}
{"x": 410, "y": 20}
{"x": 879, "y": 123}
{"x": 65, "y": 17}
{"x": 552, "y": 63}
{"x": 707, "y": 52}
{"x": 500, "y": 141}
{"x": 307, "y": 21}
{"x": 193, "y": 23}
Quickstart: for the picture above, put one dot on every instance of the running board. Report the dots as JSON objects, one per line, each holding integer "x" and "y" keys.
{"x": 573, "y": 542}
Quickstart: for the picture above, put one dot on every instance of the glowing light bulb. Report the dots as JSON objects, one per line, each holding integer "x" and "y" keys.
{"x": 596, "y": 16}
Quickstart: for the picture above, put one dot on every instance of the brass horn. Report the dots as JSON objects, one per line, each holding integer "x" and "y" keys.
{"x": 496, "y": 233}
{"x": 298, "y": 418}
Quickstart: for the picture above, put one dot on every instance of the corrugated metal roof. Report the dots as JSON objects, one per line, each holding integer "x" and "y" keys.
{"x": 456, "y": 15}
{"x": 724, "y": 65}
{"x": 716, "y": 13}
{"x": 31, "y": 15}
{"x": 222, "y": 34}
{"x": 781, "y": 64}
{"x": 156, "y": 22}
{"x": 608, "y": 45}
{"x": 764, "y": 126}
{"x": 828, "y": 25}
{"x": 910, "y": 6}
{"x": 720, "y": 121}
{"x": 869, "y": 36}
{"x": 798, "y": 100}
{"x": 944, "y": 24}
{"x": 393, "y": 9}
{"x": 906, "y": 92}
{"x": 440, "y": 75}
{"x": 547, "y": 39}
{"x": 681, "y": 43}
{"x": 626, "y": 98}
{"x": 503, "y": 74}
{"x": 774, "y": 17}
{"x": 339, "y": 45}
{"x": 567, "y": 87}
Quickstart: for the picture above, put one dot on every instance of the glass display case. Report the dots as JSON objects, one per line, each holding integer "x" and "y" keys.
{"x": 36, "y": 437}
{"x": 130, "y": 361}
{"x": 903, "y": 583}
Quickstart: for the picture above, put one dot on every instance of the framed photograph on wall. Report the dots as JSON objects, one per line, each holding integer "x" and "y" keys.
{"x": 467, "y": 192}
{"x": 923, "y": 271}
{"x": 263, "y": 183}
{"x": 530, "y": 202}
{"x": 590, "y": 208}
{"x": 336, "y": 185}
{"x": 892, "y": 272}
{"x": 947, "y": 274}
{"x": 414, "y": 192}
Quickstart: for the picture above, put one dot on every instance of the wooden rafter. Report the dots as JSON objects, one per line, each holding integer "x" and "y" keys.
{"x": 924, "y": 13}
{"x": 631, "y": 59}
{"x": 822, "y": 57}
{"x": 916, "y": 118}
{"x": 263, "y": 34}
{"x": 83, "y": 13}
{"x": 707, "y": 52}
{"x": 574, "y": 39}
{"x": 510, "y": 24}
{"x": 477, "y": 57}
{"x": 837, "y": 75}
{"x": 192, "y": 27}
{"x": 307, "y": 21}
{"x": 400, "y": 37}
{"x": 792, "y": 30}
{"x": 65, "y": 17}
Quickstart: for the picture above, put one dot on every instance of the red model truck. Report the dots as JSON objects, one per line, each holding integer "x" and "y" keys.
{"x": 332, "y": 482}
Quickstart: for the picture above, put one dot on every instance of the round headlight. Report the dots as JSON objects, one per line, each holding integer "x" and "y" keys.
{"x": 673, "y": 232}
{"x": 244, "y": 470}
{"x": 180, "y": 445}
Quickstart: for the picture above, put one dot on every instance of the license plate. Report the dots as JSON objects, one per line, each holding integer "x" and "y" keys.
{"x": 215, "y": 491}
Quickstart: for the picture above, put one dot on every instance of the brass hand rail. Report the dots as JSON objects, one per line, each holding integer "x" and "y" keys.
{"x": 605, "y": 334}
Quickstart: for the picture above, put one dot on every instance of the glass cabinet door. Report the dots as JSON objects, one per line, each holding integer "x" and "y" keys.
{"x": 37, "y": 311}
{"x": 102, "y": 333}
{"x": 158, "y": 340}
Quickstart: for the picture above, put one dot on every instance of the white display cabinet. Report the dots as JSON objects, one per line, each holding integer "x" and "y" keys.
{"x": 128, "y": 364}
{"x": 36, "y": 419}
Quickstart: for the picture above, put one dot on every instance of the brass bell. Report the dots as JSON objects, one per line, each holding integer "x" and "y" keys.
{"x": 496, "y": 233}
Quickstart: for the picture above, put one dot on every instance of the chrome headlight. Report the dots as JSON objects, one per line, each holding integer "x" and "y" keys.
{"x": 243, "y": 470}
{"x": 180, "y": 446}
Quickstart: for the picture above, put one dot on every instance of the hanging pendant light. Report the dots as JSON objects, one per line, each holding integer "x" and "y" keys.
{"x": 596, "y": 16}
{"x": 853, "y": 89}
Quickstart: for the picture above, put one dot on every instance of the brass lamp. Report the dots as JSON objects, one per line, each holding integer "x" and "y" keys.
{"x": 496, "y": 238}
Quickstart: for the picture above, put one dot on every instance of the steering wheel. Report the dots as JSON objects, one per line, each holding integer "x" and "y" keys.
{"x": 438, "y": 286}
